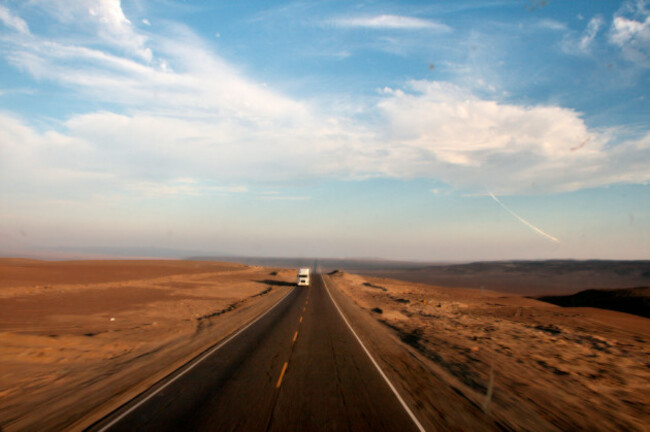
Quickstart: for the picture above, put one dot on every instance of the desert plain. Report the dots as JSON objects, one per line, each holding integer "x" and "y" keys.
{"x": 80, "y": 338}
{"x": 527, "y": 364}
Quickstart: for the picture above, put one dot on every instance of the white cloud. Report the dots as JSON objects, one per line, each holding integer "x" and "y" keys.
{"x": 199, "y": 126}
{"x": 45, "y": 164}
{"x": 285, "y": 198}
{"x": 430, "y": 130}
{"x": 205, "y": 85}
{"x": 441, "y": 191}
{"x": 630, "y": 31}
{"x": 439, "y": 130}
{"x": 581, "y": 44}
{"x": 12, "y": 21}
{"x": 181, "y": 187}
{"x": 550, "y": 24}
{"x": 115, "y": 27}
{"x": 590, "y": 33}
{"x": 102, "y": 19}
{"x": 146, "y": 22}
{"x": 391, "y": 22}
{"x": 625, "y": 31}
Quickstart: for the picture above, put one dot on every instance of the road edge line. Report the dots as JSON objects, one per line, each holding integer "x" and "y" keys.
{"x": 195, "y": 361}
{"x": 372, "y": 359}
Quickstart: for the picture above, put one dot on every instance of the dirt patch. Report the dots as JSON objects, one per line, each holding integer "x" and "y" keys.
{"x": 101, "y": 301}
{"x": 23, "y": 272}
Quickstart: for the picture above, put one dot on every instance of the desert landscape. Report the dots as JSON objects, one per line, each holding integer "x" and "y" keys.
{"x": 80, "y": 338}
{"x": 366, "y": 216}
{"x": 530, "y": 365}
{"x": 528, "y": 278}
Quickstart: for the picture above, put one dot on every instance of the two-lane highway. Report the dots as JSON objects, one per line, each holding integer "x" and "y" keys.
{"x": 299, "y": 367}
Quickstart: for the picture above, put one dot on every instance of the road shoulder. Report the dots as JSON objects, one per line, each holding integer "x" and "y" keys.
{"x": 436, "y": 404}
{"x": 184, "y": 354}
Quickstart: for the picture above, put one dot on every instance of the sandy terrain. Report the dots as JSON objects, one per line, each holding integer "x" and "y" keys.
{"x": 79, "y": 338}
{"x": 525, "y": 364}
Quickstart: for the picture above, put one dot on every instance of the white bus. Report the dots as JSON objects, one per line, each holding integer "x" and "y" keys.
{"x": 303, "y": 277}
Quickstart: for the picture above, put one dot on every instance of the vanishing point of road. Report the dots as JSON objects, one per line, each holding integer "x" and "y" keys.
{"x": 297, "y": 368}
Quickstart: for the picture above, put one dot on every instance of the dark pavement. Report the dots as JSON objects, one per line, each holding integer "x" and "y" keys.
{"x": 298, "y": 368}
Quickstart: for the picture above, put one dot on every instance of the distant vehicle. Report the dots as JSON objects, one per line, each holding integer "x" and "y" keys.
{"x": 303, "y": 277}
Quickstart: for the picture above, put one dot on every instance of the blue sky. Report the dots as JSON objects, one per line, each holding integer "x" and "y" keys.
{"x": 446, "y": 130}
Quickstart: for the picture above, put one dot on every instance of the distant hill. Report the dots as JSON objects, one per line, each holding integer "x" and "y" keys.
{"x": 532, "y": 278}
{"x": 630, "y": 300}
{"x": 325, "y": 264}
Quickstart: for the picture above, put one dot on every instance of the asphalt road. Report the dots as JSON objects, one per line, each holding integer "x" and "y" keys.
{"x": 298, "y": 368}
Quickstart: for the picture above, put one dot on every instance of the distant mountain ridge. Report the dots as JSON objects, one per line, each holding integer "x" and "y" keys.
{"x": 544, "y": 277}
{"x": 563, "y": 265}
{"x": 349, "y": 264}
{"x": 629, "y": 300}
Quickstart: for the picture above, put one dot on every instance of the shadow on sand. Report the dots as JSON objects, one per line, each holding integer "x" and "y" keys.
{"x": 275, "y": 283}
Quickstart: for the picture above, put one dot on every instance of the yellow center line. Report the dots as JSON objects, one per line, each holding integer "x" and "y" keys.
{"x": 284, "y": 369}
{"x": 295, "y": 336}
{"x": 301, "y": 319}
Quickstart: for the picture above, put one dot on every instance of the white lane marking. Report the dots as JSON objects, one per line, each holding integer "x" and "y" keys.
{"x": 200, "y": 359}
{"x": 381, "y": 372}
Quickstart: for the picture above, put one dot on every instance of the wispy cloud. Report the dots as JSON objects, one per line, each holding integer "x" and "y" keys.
{"x": 582, "y": 43}
{"x": 104, "y": 22}
{"x": 391, "y": 22}
{"x": 12, "y": 21}
{"x": 284, "y": 198}
{"x": 188, "y": 113}
{"x": 18, "y": 90}
{"x": 590, "y": 33}
{"x": 630, "y": 31}
{"x": 182, "y": 187}
{"x": 550, "y": 24}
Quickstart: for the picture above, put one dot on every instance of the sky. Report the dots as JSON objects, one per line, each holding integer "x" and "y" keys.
{"x": 411, "y": 130}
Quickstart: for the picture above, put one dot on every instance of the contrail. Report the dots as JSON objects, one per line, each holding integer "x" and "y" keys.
{"x": 524, "y": 221}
